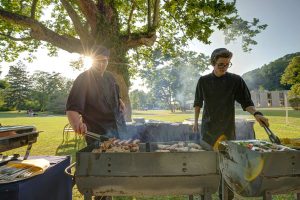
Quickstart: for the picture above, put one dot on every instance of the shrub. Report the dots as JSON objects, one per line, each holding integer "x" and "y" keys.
{"x": 295, "y": 103}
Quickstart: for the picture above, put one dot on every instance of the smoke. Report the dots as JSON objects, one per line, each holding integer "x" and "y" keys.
{"x": 187, "y": 79}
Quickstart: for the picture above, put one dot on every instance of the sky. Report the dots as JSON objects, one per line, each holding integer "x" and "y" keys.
{"x": 281, "y": 37}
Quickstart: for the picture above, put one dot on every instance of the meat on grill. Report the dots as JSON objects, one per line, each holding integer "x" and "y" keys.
{"x": 117, "y": 145}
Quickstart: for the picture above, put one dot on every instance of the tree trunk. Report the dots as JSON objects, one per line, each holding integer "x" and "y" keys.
{"x": 124, "y": 90}
{"x": 118, "y": 65}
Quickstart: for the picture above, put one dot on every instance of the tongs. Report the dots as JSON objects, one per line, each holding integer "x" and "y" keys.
{"x": 273, "y": 138}
{"x": 96, "y": 136}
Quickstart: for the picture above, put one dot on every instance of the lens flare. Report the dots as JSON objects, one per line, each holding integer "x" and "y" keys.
{"x": 87, "y": 62}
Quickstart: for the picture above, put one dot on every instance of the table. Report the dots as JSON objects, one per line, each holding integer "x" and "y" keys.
{"x": 54, "y": 184}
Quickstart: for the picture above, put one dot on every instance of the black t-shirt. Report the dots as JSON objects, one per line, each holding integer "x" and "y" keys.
{"x": 96, "y": 98}
{"x": 219, "y": 95}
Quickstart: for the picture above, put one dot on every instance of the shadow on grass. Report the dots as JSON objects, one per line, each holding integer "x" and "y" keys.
{"x": 70, "y": 147}
{"x": 12, "y": 115}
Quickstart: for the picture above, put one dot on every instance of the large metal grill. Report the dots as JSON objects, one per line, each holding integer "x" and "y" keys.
{"x": 251, "y": 173}
{"x": 152, "y": 173}
{"x": 146, "y": 173}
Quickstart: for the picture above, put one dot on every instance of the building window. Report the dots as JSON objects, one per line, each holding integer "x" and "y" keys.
{"x": 281, "y": 95}
{"x": 281, "y": 102}
{"x": 269, "y": 102}
{"x": 269, "y": 95}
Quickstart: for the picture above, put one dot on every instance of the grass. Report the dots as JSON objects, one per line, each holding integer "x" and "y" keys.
{"x": 49, "y": 141}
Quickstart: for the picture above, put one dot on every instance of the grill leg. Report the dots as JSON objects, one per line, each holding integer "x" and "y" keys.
{"x": 191, "y": 197}
{"x": 87, "y": 195}
{"x": 298, "y": 196}
{"x": 267, "y": 196}
{"x": 207, "y": 195}
{"x": 224, "y": 190}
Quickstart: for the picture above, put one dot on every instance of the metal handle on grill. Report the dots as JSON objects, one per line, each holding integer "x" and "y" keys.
{"x": 273, "y": 138}
{"x": 69, "y": 168}
{"x": 69, "y": 173}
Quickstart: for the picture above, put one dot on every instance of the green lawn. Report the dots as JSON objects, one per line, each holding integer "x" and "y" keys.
{"x": 49, "y": 141}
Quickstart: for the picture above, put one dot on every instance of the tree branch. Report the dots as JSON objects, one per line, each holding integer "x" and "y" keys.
{"x": 89, "y": 10}
{"x": 130, "y": 17}
{"x": 83, "y": 34}
{"x": 33, "y": 9}
{"x": 14, "y": 38}
{"x": 149, "y": 14}
{"x": 40, "y": 32}
{"x": 138, "y": 39}
{"x": 156, "y": 14}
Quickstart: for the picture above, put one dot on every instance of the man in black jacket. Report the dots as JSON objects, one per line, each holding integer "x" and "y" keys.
{"x": 94, "y": 102}
{"x": 217, "y": 92}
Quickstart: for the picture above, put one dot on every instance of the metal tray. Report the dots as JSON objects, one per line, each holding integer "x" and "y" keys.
{"x": 23, "y": 135}
{"x": 251, "y": 173}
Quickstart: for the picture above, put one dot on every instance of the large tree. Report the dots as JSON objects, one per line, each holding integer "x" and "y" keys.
{"x": 18, "y": 90}
{"x": 291, "y": 76}
{"x": 121, "y": 25}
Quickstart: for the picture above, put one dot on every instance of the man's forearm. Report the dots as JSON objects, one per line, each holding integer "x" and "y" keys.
{"x": 74, "y": 119}
{"x": 251, "y": 109}
{"x": 197, "y": 113}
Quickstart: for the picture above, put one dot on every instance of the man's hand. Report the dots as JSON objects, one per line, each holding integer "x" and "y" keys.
{"x": 195, "y": 127}
{"x": 122, "y": 106}
{"x": 263, "y": 121}
{"x": 76, "y": 122}
{"x": 81, "y": 128}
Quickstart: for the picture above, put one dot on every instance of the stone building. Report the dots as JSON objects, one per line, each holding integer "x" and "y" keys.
{"x": 265, "y": 99}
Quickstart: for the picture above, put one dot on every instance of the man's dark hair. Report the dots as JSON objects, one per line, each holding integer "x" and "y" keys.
{"x": 101, "y": 50}
{"x": 219, "y": 53}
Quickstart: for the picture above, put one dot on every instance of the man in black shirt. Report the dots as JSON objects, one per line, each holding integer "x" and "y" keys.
{"x": 94, "y": 103}
{"x": 218, "y": 92}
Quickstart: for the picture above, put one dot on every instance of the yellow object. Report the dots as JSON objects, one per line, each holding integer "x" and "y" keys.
{"x": 254, "y": 168}
{"x": 219, "y": 140}
{"x": 37, "y": 166}
{"x": 293, "y": 143}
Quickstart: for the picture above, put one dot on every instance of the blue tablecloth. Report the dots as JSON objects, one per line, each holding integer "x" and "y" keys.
{"x": 54, "y": 184}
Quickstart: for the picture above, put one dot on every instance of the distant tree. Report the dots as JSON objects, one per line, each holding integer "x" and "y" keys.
{"x": 40, "y": 89}
{"x": 173, "y": 79}
{"x": 58, "y": 98}
{"x": 138, "y": 99}
{"x": 269, "y": 75}
{"x": 57, "y": 103}
{"x": 3, "y": 84}
{"x": 19, "y": 86}
{"x": 49, "y": 88}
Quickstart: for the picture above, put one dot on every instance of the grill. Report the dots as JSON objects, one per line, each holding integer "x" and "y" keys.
{"x": 17, "y": 136}
{"x": 146, "y": 173}
{"x": 252, "y": 173}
